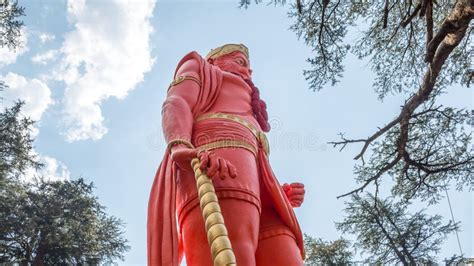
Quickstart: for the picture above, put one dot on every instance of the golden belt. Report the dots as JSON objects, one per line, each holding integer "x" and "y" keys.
{"x": 259, "y": 135}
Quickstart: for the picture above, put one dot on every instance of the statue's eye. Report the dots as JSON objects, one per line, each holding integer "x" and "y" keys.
{"x": 240, "y": 62}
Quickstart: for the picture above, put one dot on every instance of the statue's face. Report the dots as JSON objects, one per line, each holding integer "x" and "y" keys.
{"x": 235, "y": 62}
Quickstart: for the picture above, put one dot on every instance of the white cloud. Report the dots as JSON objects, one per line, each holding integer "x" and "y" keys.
{"x": 45, "y": 58}
{"x": 52, "y": 170}
{"x": 8, "y": 56}
{"x": 35, "y": 94}
{"x": 106, "y": 55}
{"x": 46, "y": 37}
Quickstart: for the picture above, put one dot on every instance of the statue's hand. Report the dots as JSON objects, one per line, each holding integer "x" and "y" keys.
{"x": 213, "y": 165}
{"x": 182, "y": 156}
{"x": 216, "y": 166}
{"x": 295, "y": 193}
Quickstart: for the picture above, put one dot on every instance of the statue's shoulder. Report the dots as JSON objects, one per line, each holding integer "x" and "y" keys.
{"x": 194, "y": 67}
{"x": 190, "y": 64}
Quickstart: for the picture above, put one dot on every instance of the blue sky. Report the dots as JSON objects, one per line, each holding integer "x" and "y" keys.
{"x": 94, "y": 74}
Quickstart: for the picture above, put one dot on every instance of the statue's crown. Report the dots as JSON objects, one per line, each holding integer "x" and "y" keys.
{"x": 227, "y": 49}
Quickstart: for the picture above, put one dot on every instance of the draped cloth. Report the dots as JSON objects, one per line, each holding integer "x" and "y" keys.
{"x": 164, "y": 245}
{"x": 281, "y": 203}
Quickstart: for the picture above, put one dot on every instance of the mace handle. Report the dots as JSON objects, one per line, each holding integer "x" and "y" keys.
{"x": 217, "y": 236}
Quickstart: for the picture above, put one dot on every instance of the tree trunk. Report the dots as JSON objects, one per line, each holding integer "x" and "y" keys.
{"x": 39, "y": 258}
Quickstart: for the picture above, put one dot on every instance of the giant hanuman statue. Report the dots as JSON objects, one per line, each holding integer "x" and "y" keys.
{"x": 213, "y": 112}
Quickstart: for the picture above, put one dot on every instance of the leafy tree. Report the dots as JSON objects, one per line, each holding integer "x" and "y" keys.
{"x": 10, "y": 29}
{"x": 417, "y": 48}
{"x": 455, "y": 260}
{"x": 16, "y": 143}
{"x": 57, "y": 223}
{"x": 44, "y": 222}
{"x": 14, "y": 146}
{"x": 10, "y": 25}
{"x": 320, "y": 252}
{"x": 390, "y": 234}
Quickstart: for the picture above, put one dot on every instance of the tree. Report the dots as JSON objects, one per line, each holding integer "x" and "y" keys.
{"x": 320, "y": 252}
{"x": 10, "y": 29}
{"x": 417, "y": 48}
{"x": 57, "y": 223}
{"x": 15, "y": 140}
{"x": 44, "y": 222}
{"x": 16, "y": 143}
{"x": 390, "y": 234}
{"x": 455, "y": 260}
{"x": 10, "y": 25}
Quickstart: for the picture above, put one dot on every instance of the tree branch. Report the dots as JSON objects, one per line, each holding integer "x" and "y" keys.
{"x": 455, "y": 24}
{"x": 412, "y": 15}
{"x": 387, "y": 235}
{"x": 429, "y": 23}
{"x": 385, "y": 15}
{"x": 424, "y": 6}
{"x": 375, "y": 177}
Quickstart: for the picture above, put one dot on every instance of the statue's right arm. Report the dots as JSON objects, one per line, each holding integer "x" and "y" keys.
{"x": 177, "y": 117}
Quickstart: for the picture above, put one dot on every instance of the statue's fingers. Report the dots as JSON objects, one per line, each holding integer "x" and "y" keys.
{"x": 286, "y": 187}
{"x": 296, "y": 203}
{"x": 213, "y": 165}
{"x": 204, "y": 159}
{"x": 297, "y": 191}
{"x": 223, "y": 169}
{"x": 297, "y": 185}
{"x": 232, "y": 170}
{"x": 297, "y": 198}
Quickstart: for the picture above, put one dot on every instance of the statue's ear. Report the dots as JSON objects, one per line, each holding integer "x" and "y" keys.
{"x": 210, "y": 60}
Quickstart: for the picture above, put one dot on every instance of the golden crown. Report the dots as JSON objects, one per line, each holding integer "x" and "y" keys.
{"x": 227, "y": 49}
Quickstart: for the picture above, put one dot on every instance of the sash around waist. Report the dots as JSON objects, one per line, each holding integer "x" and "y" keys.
{"x": 218, "y": 130}
{"x": 219, "y": 133}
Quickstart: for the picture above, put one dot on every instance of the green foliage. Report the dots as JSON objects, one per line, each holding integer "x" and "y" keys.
{"x": 323, "y": 28}
{"x": 15, "y": 131}
{"x": 43, "y": 222}
{"x": 417, "y": 48}
{"x": 455, "y": 260}
{"x": 320, "y": 252}
{"x": 16, "y": 143}
{"x": 439, "y": 152}
{"x": 57, "y": 223}
{"x": 10, "y": 25}
{"x": 390, "y": 234}
{"x": 394, "y": 41}
{"x": 246, "y": 3}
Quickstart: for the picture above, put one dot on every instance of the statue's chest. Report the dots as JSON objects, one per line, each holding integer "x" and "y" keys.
{"x": 234, "y": 94}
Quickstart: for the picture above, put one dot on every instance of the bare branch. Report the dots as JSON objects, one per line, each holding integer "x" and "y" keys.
{"x": 410, "y": 18}
{"x": 385, "y": 15}
{"x": 375, "y": 177}
{"x": 299, "y": 7}
{"x": 424, "y": 6}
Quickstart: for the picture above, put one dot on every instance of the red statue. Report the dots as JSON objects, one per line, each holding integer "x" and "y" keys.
{"x": 213, "y": 111}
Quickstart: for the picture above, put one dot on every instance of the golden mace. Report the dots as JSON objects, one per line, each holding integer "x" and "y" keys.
{"x": 217, "y": 236}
